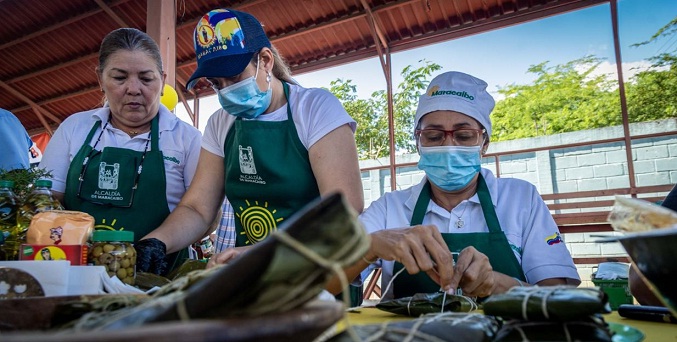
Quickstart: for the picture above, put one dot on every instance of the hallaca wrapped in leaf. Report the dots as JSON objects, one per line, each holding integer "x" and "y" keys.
{"x": 586, "y": 329}
{"x": 547, "y": 303}
{"x": 448, "y": 326}
{"x": 425, "y": 303}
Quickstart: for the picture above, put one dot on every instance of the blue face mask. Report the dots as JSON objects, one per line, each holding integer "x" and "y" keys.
{"x": 451, "y": 168}
{"x": 244, "y": 99}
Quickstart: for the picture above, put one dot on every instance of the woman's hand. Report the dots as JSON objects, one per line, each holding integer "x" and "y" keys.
{"x": 227, "y": 256}
{"x": 473, "y": 273}
{"x": 419, "y": 248}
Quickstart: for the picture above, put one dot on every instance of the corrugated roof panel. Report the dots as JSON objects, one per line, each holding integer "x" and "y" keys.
{"x": 48, "y": 48}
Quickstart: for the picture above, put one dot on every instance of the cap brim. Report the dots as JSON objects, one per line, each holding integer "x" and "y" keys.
{"x": 222, "y": 66}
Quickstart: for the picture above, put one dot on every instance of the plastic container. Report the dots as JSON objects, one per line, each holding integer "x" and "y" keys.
{"x": 617, "y": 290}
{"x": 113, "y": 249}
{"x": 9, "y": 206}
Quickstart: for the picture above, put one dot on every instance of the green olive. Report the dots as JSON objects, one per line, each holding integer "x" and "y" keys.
{"x": 97, "y": 251}
{"x": 125, "y": 262}
{"x": 122, "y": 273}
{"x": 114, "y": 265}
{"x": 106, "y": 258}
{"x": 107, "y": 248}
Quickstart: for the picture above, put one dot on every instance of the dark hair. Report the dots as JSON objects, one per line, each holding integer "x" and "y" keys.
{"x": 129, "y": 39}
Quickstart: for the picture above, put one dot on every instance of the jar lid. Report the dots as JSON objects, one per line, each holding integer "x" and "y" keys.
{"x": 6, "y": 184}
{"x": 43, "y": 183}
{"x": 113, "y": 235}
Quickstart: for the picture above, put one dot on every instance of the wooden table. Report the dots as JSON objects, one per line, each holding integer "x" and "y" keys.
{"x": 653, "y": 331}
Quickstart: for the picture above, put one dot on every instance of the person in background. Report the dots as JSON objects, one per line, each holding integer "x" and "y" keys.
{"x": 128, "y": 163}
{"x": 14, "y": 142}
{"x": 638, "y": 287}
{"x": 272, "y": 148}
{"x": 499, "y": 228}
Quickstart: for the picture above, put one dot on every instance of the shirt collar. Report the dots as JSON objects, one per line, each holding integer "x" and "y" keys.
{"x": 168, "y": 120}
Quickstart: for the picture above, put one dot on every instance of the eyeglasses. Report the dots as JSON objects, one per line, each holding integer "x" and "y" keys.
{"x": 83, "y": 172}
{"x": 460, "y": 137}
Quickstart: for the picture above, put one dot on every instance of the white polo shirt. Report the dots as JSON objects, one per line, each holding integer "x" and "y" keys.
{"x": 179, "y": 143}
{"x": 522, "y": 214}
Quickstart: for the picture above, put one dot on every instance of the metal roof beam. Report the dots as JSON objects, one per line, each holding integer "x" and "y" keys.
{"x": 57, "y": 26}
{"x": 379, "y": 39}
{"x": 110, "y": 13}
{"x": 30, "y": 102}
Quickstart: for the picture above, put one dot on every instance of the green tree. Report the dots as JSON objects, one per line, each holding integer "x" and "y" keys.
{"x": 563, "y": 98}
{"x": 652, "y": 94}
{"x": 371, "y": 114}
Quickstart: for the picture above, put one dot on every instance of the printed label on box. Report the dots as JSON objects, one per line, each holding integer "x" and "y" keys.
{"x": 76, "y": 254}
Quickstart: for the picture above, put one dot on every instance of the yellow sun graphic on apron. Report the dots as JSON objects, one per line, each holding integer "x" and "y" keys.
{"x": 257, "y": 221}
{"x": 104, "y": 225}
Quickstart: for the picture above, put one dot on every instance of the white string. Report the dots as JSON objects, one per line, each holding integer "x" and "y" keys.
{"x": 524, "y": 305}
{"x": 390, "y": 283}
{"x": 444, "y": 299}
{"x": 408, "y": 304}
{"x": 566, "y": 332}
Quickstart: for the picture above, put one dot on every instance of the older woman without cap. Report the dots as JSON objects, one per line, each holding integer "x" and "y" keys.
{"x": 500, "y": 228}
{"x": 128, "y": 163}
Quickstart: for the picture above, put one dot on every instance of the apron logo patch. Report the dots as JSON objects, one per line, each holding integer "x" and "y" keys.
{"x": 248, "y": 167}
{"x": 108, "y": 176}
{"x": 257, "y": 221}
{"x": 172, "y": 159}
{"x": 553, "y": 239}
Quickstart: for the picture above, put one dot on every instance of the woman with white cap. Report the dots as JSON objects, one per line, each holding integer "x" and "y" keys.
{"x": 272, "y": 148}
{"x": 500, "y": 228}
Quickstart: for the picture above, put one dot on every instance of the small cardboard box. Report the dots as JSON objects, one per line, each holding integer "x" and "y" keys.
{"x": 76, "y": 254}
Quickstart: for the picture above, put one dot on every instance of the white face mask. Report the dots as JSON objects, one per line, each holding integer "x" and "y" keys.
{"x": 244, "y": 99}
{"x": 451, "y": 168}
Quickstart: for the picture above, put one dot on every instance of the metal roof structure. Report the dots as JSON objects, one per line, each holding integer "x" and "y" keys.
{"x": 49, "y": 49}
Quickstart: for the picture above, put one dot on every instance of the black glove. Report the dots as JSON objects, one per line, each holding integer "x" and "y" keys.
{"x": 150, "y": 256}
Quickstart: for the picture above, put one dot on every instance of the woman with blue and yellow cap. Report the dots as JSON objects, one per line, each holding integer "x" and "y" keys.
{"x": 273, "y": 147}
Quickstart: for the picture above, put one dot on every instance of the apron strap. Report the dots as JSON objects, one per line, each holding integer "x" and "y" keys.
{"x": 487, "y": 206}
{"x": 421, "y": 205}
{"x": 155, "y": 133}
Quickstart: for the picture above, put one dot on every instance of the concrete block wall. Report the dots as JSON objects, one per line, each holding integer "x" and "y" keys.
{"x": 584, "y": 168}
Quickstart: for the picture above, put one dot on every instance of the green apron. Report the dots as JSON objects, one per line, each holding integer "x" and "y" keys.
{"x": 493, "y": 244}
{"x": 121, "y": 188}
{"x": 268, "y": 175}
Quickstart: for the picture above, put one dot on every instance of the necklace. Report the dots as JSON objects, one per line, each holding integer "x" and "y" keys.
{"x": 460, "y": 223}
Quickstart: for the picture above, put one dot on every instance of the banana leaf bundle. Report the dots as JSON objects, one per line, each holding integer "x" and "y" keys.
{"x": 426, "y": 303}
{"x": 281, "y": 273}
{"x": 448, "y": 326}
{"x": 588, "y": 329}
{"x": 547, "y": 303}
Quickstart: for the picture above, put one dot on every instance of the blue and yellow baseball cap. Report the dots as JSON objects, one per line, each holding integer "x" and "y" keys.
{"x": 225, "y": 41}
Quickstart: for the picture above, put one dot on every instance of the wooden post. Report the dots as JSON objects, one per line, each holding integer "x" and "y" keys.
{"x": 161, "y": 26}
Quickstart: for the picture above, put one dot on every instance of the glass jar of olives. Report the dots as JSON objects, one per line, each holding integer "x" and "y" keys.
{"x": 113, "y": 249}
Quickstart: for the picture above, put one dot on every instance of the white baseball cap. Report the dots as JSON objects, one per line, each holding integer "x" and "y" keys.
{"x": 458, "y": 92}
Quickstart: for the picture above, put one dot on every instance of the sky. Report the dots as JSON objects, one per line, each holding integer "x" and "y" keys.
{"x": 502, "y": 57}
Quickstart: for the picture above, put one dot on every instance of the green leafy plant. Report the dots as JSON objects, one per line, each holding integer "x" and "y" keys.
{"x": 23, "y": 180}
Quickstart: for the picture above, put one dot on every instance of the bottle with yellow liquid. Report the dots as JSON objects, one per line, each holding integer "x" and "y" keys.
{"x": 9, "y": 206}
{"x": 39, "y": 200}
